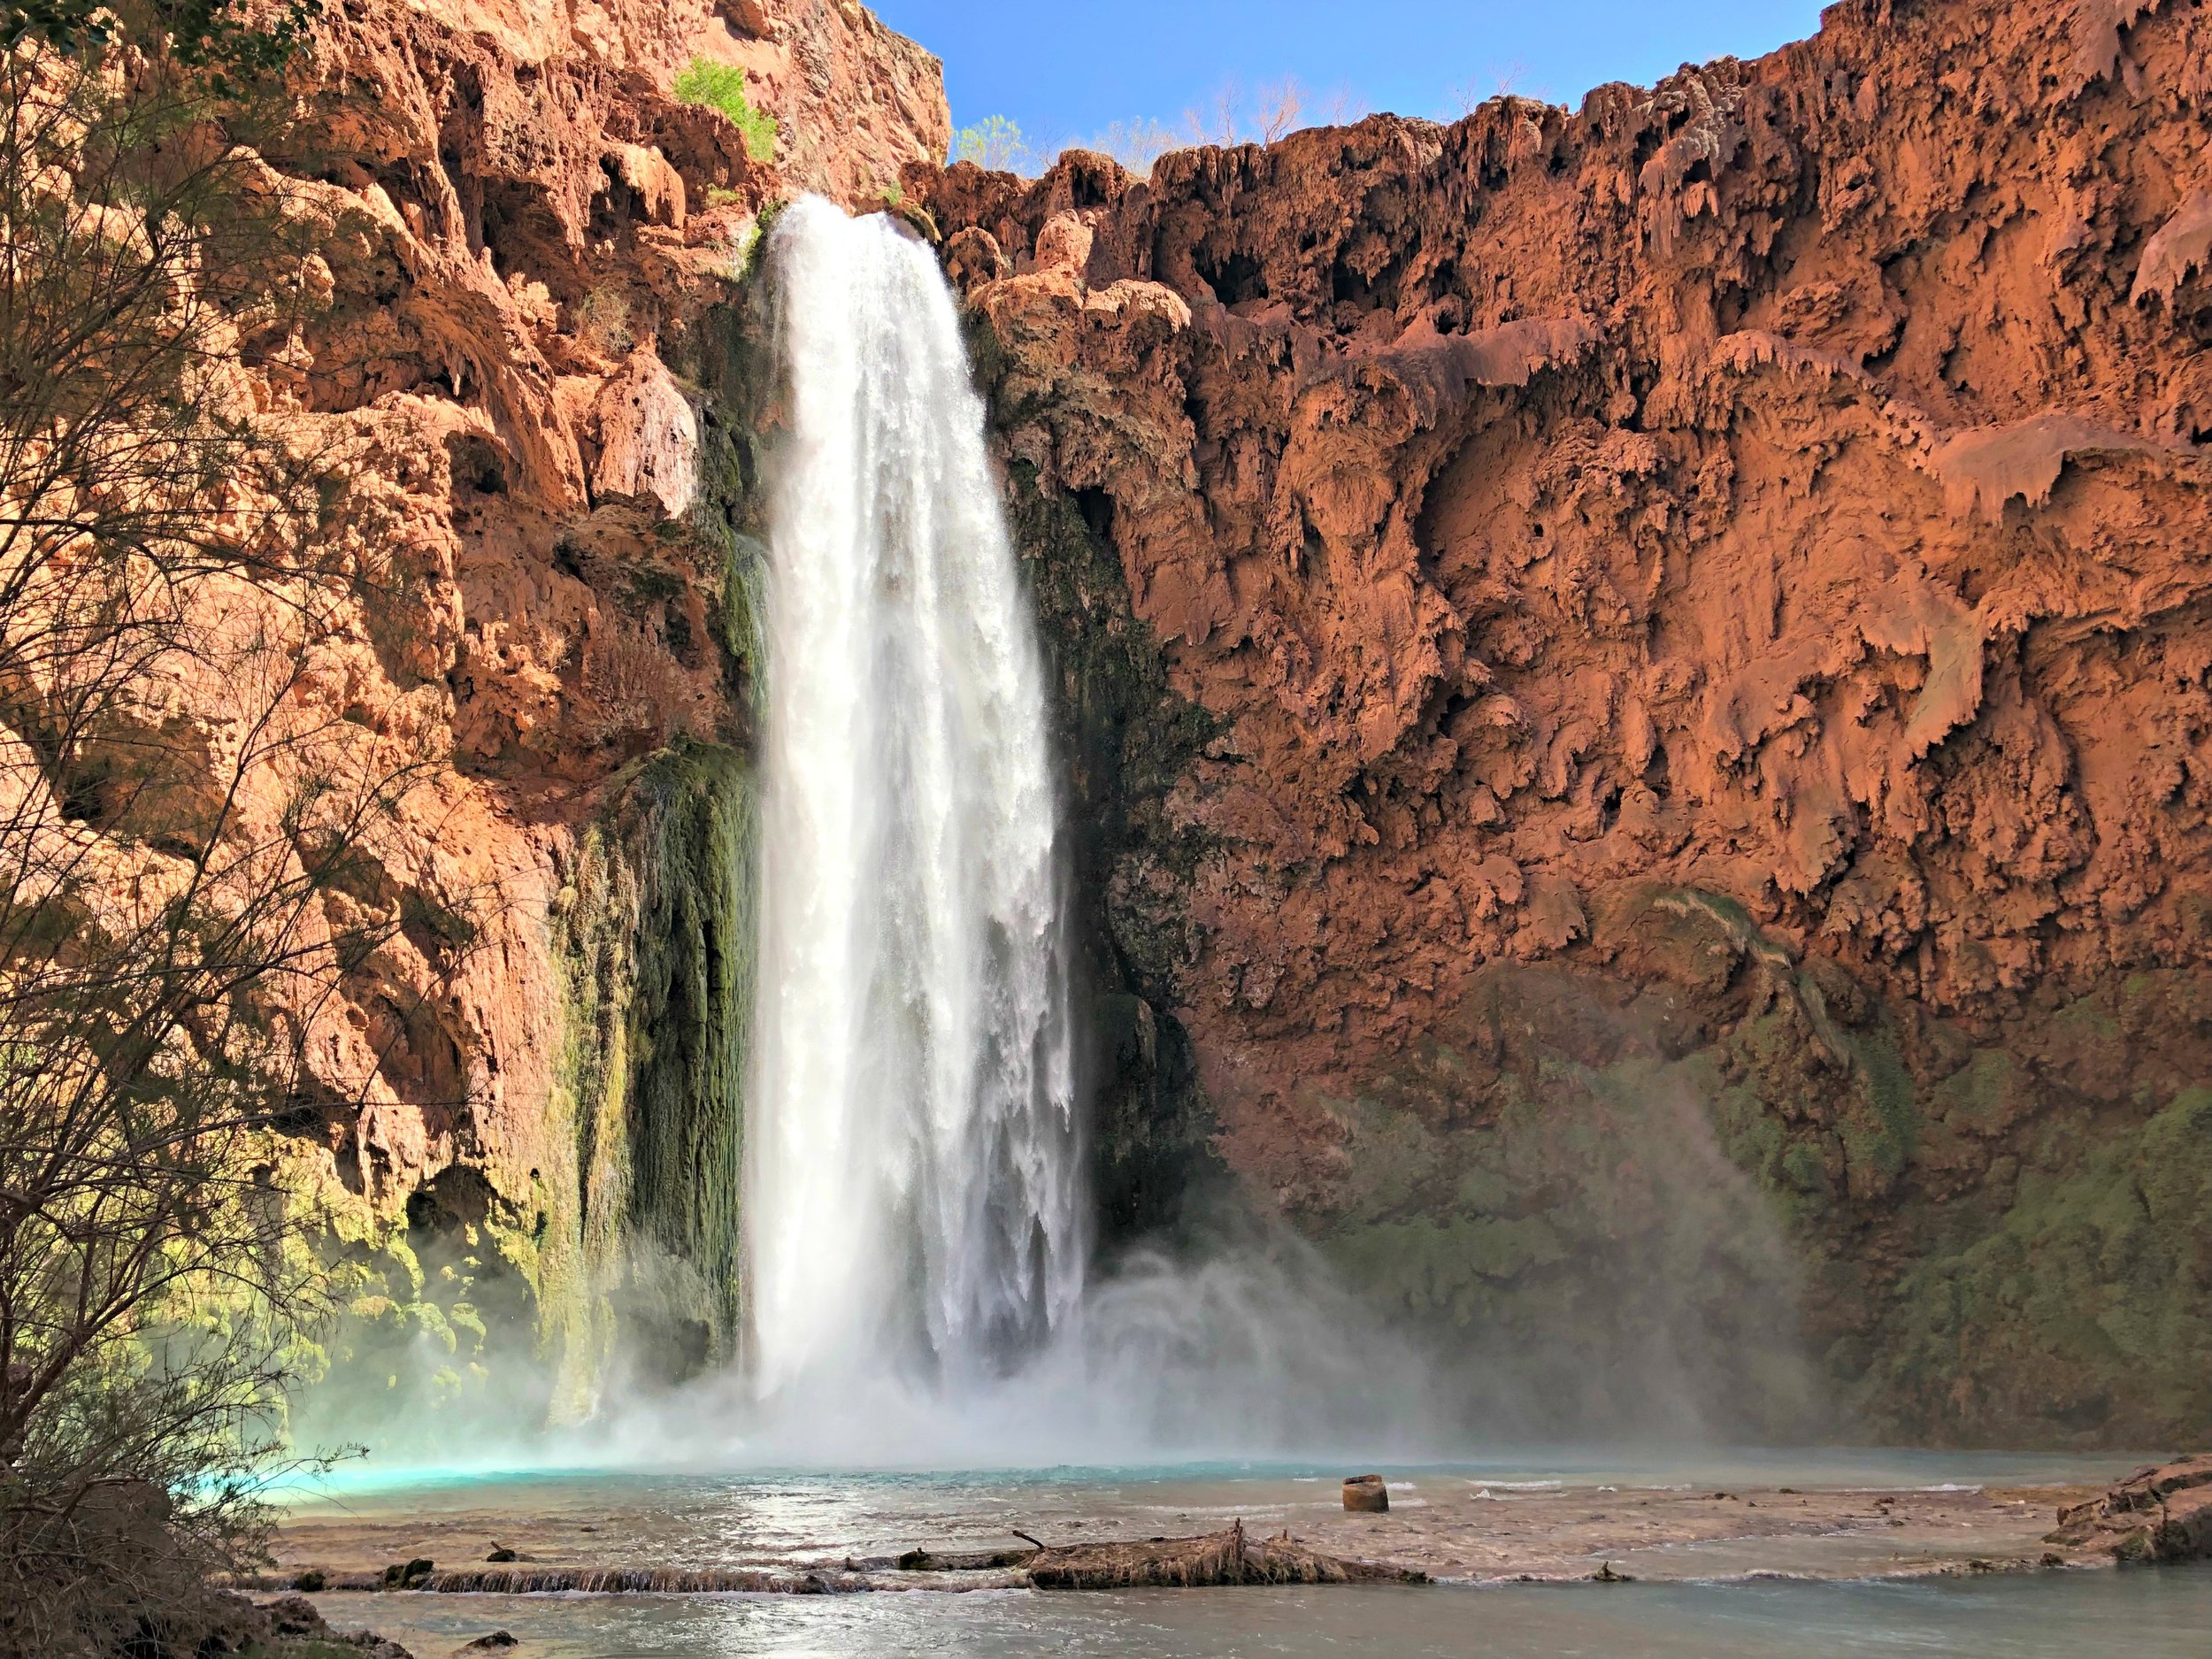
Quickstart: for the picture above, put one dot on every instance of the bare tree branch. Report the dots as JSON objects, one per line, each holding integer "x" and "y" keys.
{"x": 190, "y": 851}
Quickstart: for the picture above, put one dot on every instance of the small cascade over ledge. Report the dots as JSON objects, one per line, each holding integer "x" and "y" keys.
{"x": 913, "y": 1198}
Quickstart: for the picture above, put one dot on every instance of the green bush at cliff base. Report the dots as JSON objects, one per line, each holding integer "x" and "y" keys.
{"x": 722, "y": 86}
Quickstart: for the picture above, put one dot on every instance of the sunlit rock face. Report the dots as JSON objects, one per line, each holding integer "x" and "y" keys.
{"x": 514, "y": 363}
{"x": 1636, "y": 682}
{"x": 1632, "y": 687}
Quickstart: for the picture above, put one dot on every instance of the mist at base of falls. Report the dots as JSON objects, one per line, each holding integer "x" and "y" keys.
{"x": 918, "y": 1284}
{"x": 1255, "y": 1353}
{"x": 1241, "y": 1357}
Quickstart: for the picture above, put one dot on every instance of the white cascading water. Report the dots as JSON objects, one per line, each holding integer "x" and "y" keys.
{"x": 912, "y": 1199}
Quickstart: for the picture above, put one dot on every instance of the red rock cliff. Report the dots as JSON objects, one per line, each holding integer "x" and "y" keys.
{"x": 1703, "y": 600}
{"x": 527, "y": 245}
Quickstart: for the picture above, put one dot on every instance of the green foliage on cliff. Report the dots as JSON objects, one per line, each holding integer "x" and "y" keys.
{"x": 584, "y": 1149}
{"x": 2088, "y": 1300}
{"x": 722, "y": 86}
{"x": 434, "y": 1347}
{"x": 996, "y": 145}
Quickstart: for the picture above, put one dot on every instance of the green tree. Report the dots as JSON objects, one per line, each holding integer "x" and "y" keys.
{"x": 996, "y": 145}
{"x": 722, "y": 86}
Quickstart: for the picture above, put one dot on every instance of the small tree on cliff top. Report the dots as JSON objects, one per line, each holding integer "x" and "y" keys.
{"x": 996, "y": 145}
{"x": 181, "y": 896}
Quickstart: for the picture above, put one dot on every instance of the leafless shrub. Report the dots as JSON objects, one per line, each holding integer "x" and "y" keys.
{"x": 1470, "y": 95}
{"x": 1136, "y": 145}
{"x": 1219, "y": 119}
{"x": 177, "y": 820}
{"x": 603, "y": 316}
{"x": 1273, "y": 112}
{"x": 632, "y": 682}
{"x": 1278, "y": 109}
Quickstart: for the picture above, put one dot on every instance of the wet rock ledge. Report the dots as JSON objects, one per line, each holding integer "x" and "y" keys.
{"x": 1220, "y": 1558}
{"x": 2159, "y": 1513}
{"x": 1225, "y": 1558}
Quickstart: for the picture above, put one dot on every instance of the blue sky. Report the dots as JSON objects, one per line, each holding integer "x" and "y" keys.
{"x": 1065, "y": 69}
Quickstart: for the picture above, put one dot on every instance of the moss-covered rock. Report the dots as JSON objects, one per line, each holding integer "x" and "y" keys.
{"x": 432, "y": 1342}
{"x": 692, "y": 814}
{"x": 1541, "y": 1189}
{"x": 1127, "y": 738}
{"x": 1766, "y": 1200}
{"x": 2084, "y": 1310}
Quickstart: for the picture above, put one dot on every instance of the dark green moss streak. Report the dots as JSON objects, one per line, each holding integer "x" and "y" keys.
{"x": 691, "y": 821}
{"x": 1126, "y": 738}
{"x": 660, "y": 941}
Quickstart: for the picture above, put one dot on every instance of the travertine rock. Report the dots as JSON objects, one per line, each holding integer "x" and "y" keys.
{"x": 522, "y": 237}
{"x": 2161, "y": 1513}
{"x": 648, "y": 438}
{"x": 1742, "y": 542}
{"x": 1367, "y": 1494}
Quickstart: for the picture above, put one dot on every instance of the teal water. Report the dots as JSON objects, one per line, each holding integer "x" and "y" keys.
{"x": 781, "y": 1518}
{"x": 1711, "y": 1600}
{"x": 370, "y": 1488}
{"x": 2145, "y": 1614}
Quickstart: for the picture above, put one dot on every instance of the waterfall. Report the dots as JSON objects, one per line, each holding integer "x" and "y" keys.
{"x": 912, "y": 1198}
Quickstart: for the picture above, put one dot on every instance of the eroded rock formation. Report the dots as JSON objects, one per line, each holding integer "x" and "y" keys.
{"x": 2161, "y": 1513}
{"x": 1635, "y": 681}
{"x": 1662, "y": 682}
{"x": 518, "y": 357}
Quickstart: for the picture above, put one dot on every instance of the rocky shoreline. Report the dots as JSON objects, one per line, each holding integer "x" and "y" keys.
{"x": 1450, "y": 1530}
{"x": 2159, "y": 1513}
{"x": 1456, "y": 1528}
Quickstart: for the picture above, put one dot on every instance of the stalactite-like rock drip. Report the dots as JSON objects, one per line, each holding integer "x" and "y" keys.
{"x": 1690, "y": 633}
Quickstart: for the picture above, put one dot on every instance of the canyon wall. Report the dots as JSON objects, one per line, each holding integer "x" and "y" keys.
{"x": 1634, "y": 687}
{"x": 1637, "y": 689}
{"x": 521, "y": 1133}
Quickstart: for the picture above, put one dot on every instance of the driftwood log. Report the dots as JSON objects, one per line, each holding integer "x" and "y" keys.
{"x": 971, "y": 1561}
{"x": 1218, "y": 1558}
{"x": 2159, "y": 1513}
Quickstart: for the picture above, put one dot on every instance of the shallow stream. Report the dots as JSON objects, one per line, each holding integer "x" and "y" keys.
{"x": 1714, "y": 1579}
{"x": 2149, "y": 1614}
